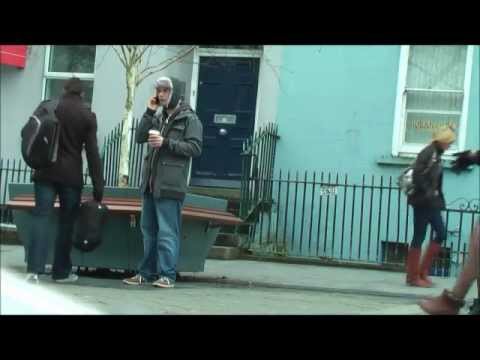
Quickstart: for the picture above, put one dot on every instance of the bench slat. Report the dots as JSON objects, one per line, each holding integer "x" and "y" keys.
{"x": 188, "y": 211}
{"x": 122, "y": 202}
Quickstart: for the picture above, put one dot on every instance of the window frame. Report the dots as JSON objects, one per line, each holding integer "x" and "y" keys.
{"x": 399, "y": 148}
{"x": 48, "y": 75}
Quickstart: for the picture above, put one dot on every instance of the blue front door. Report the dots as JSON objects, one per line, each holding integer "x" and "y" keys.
{"x": 227, "y": 93}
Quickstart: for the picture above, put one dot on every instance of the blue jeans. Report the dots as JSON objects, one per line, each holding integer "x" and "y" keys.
{"x": 421, "y": 218}
{"x": 37, "y": 247}
{"x": 160, "y": 224}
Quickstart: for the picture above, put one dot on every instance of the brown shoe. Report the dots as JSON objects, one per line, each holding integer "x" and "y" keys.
{"x": 445, "y": 304}
{"x": 432, "y": 251}
{"x": 413, "y": 272}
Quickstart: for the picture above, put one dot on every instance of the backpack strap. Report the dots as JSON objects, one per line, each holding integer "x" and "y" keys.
{"x": 51, "y": 107}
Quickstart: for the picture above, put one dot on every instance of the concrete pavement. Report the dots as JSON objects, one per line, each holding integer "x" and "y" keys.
{"x": 241, "y": 287}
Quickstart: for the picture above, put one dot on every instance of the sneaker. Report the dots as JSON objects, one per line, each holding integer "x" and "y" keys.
{"x": 69, "y": 279}
{"x": 164, "y": 282}
{"x": 135, "y": 280}
{"x": 32, "y": 278}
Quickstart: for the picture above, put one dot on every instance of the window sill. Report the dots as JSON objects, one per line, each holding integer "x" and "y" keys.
{"x": 406, "y": 161}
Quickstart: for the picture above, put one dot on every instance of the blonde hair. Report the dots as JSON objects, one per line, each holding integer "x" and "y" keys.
{"x": 444, "y": 134}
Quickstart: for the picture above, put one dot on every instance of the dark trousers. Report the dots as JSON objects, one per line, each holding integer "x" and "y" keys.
{"x": 421, "y": 218}
{"x": 37, "y": 247}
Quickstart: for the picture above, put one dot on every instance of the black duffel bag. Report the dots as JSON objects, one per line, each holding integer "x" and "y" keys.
{"x": 88, "y": 228}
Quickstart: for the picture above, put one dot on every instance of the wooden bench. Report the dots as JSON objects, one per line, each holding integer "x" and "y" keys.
{"x": 134, "y": 206}
{"x": 122, "y": 245}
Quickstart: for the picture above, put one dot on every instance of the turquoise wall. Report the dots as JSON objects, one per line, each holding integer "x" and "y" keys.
{"x": 337, "y": 106}
{"x": 336, "y": 114}
{"x": 336, "y": 109}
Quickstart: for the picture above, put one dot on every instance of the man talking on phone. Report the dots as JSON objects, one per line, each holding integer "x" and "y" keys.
{"x": 174, "y": 135}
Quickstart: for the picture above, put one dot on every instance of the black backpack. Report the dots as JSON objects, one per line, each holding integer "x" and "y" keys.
{"x": 40, "y": 136}
{"x": 88, "y": 227}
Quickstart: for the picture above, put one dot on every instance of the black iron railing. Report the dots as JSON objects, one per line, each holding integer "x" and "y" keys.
{"x": 258, "y": 160}
{"x": 326, "y": 216}
{"x": 17, "y": 171}
{"x": 320, "y": 215}
{"x": 111, "y": 156}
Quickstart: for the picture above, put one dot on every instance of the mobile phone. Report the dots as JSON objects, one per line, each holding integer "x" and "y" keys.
{"x": 156, "y": 100}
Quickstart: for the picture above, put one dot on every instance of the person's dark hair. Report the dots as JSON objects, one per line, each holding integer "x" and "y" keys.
{"x": 73, "y": 86}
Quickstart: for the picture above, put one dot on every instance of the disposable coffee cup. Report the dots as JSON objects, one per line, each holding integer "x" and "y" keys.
{"x": 154, "y": 132}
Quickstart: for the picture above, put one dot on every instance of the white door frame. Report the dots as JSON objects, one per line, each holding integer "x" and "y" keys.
{"x": 219, "y": 52}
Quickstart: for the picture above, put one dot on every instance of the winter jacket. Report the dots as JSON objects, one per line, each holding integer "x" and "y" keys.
{"x": 428, "y": 179}
{"x": 78, "y": 129}
{"x": 165, "y": 170}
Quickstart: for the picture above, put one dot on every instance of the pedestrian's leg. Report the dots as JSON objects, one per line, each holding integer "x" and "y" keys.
{"x": 420, "y": 222}
{"x": 37, "y": 244}
{"x": 69, "y": 205}
{"x": 434, "y": 246}
{"x": 450, "y": 302}
{"x": 149, "y": 226}
{"x": 475, "y": 308}
{"x": 169, "y": 214}
{"x": 470, "y": 270}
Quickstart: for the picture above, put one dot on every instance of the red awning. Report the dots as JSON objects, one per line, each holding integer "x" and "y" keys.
{"x": 14, "y": 55}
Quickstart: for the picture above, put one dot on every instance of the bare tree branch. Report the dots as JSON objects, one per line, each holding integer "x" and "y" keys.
{"x": 141, "y": 53}
{"x": 124, "y": 52}
{"x": 135, "y": 49}
{"x": 275, "y": 71}
{"x": 149, "y": 56}
{"x": 163, "y": 65}
{"x": 127, "y": 49}
{"x": 148, "y": 68}
{"x": 152, "y": 50}
{"x": 120, "y": 57}
{"x": 132, "y": 57}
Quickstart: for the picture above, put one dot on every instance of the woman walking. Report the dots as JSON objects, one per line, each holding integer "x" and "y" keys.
{"x": 427, "y": 201}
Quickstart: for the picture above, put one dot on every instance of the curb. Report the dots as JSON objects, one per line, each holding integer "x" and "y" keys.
{"x": 260, "y": 284}
{"x": 391, "y": 267}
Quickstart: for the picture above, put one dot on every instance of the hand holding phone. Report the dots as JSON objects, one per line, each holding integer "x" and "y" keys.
{"x": 153, "y": 103}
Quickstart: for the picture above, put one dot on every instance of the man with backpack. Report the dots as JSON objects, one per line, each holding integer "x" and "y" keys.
{"x": 77, "y": 128}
